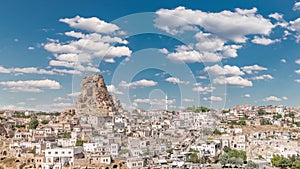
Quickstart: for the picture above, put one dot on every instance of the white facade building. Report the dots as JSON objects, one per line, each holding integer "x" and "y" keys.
{"x": 90, "y": 147}
{"x": 58, "y": 158}
{"x": 66, "y": 142}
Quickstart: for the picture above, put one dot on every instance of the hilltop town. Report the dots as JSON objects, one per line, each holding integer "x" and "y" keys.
{"x": 97, "y": 133}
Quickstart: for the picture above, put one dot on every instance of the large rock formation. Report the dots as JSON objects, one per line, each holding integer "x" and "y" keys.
{"x": 117, "y": 104}
{"x": 94, "y": 98}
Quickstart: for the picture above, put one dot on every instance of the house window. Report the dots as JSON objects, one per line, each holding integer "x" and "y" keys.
{"x": 140, "y": 164}
{"x": 133, "y": 164}
{"x": 70, "y": 152}
{"x": 56, "y": 152}
{"x": 49, "y": 152}
{"x": 63, "y": 152}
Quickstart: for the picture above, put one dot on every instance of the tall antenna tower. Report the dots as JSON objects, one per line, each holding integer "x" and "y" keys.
{"x": 166, "y": 102}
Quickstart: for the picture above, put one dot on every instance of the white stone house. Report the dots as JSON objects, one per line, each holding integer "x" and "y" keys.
{"x": 100, "y": 159}
{"x": 58, "y": 158}
{"x": 63, "y": 142}
{"x": 114, "y": 149}
{"x": 135, "y": 163}
{"x": 90, "y": 147}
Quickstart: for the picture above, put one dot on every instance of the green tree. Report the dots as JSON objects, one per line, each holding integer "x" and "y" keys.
{"x": 33, "y": 150}
{"x": 242, "y": 123}
{"x": 239, "y": 162}
{"x": 238, "y": 154}
{"x": 170, "y": 151}
{"x": 80, "y": 142}
{"x": 33, "y": 123}
{"x": 193, "y": 150}
{"x": 66, "y": 135}
{"x": 265, "y": 121}
{"x": 226, "y": 149}
{"x": 45, "y": 121}
{"x": 296, "y": 164}
{"x": 232, "y": 160}
{"x": 20, "y": 126}
{"x": 290, "y": 114}
{"x": 223, "y": 159}
{"x": 225, "y": 111}
{"x": 285, "y": 162}
{"x": 277, "y": 116}
{"x": 280, "y": 161}
{"x": 251, "y": 165}
{"x": 217, "y": 132}
{"x": 275, "y": 160}
{"x": 198, "y": 109}
{"x": 202, "y": 109}
{"x": 261, "y": 112}
{"x": 193, "y": 158}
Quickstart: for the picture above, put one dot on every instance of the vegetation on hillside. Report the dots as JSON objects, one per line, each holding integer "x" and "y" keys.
{"x": 198, "y": 109}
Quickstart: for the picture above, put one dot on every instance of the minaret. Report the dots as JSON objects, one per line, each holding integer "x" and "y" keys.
{"x": 166, "y": 102}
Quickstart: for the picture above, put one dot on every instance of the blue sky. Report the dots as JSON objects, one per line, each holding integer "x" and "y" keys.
{"x": 213, "y": 53}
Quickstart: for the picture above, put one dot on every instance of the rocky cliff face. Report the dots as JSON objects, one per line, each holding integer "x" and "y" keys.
{"x": 94, "y": 98}
{"x": 117, "y": 103}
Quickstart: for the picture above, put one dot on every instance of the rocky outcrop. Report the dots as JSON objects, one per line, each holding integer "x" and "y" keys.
{"x": 94, "y": 98}
{"x": 117, "y": 104}
{"x": 2, "y": 130}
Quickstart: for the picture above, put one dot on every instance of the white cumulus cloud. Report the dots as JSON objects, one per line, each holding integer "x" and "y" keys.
{"x": 212, "y": 98}
{"x": 188, "y": 100}
{"x": 272, "y": 98}
{"x": 264, "y": 41}
{"x": 104, "y": 41}
{"x": 263, "y": 77}
{"x": 26, "y": 70}
{"x": 74, "y": 94}
{"x": 188, "y": 55}
{"x": 296, "y": 6}
{"x": 226, "y": 24}
{"x": 158, "y": 103}
{"x": 139, "y": 83}
{"x": 92, "y": 24}
{"x": 175, "y": 80}
{"x": 203, "y": 89}
{"x": 297, "y": 71}
{"x": 297, "y": 61}
{"x": 54, "y": 107}
{"x": 295, "y": 26}
{"x": 246, "y": 95}
{"x": 30, "y": 48}
{"x": 253, "y": 68}
{"x": 234, "y": 81}
{"x": 30, "y": 85}
{"x": 283, "y": 60}
{"x": 226, "y": 70}
{"x": 113, "y": 89}
{"x": 276, "y": 16}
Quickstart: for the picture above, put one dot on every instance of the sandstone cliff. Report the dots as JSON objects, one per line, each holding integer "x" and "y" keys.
{"x": 117, "y": 104}
{"x": 94, "y": 98}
